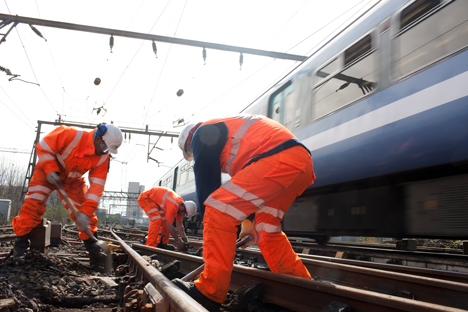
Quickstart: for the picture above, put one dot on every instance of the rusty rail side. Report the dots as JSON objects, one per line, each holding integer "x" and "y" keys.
{"x": 178, "y": 300}
{"x": 300, "y": 294}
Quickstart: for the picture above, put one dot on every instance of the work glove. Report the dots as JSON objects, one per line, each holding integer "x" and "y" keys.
{"x": 82, "y": 220}
{"x": 185, "y": 240}
{"x": 53, "y": 178}
{"x": 248, "y": 228}
{"x": 180, "y": 245}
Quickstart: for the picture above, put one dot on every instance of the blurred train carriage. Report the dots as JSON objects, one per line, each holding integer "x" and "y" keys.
{"x": 384, "y": 109}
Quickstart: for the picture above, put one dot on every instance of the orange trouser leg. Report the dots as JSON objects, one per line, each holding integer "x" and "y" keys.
{"x": 268, "y": 188}
{"x": 163, "y": 230}
{"x": 34, "y": 205}
{"x": 280, "y": 256}
{"x": 219, "y": 247}
{"x": 153, "y": 232}
{"x": 76, "y": 190}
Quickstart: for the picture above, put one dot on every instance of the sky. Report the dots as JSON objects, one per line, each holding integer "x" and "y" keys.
{"x": 137, "y": 88}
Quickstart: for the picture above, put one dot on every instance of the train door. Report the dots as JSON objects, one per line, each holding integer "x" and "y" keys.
{"x": 174, "y": 182}
{"x": 281, "y": 106}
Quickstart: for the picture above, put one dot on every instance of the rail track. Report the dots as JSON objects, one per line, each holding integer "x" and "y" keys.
{"x": 363, "y": 285}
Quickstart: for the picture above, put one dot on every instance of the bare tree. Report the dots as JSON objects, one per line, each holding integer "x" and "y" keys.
{"x": 11, "y": 181}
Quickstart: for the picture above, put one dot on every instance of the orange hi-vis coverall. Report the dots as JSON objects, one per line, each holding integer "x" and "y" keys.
{"x": 161, "y": 205}
{"x": 69, "y": 152}
{"x": 269, "y": 168}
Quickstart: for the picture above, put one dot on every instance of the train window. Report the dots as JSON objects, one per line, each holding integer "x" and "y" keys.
{"x": 324, "y": 72}
{"x": 191, "y": 174}
{"x": 429, "y": 30}
{"x": 183, "y": 174}
{"x": 282, "y": 106}
{"x": 357, "y": 79}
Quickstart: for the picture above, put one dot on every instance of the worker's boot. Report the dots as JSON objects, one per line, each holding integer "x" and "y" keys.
{"x": 96, "y": 257}
{"x": 21, "y": 245}
{"x": 192, "y": 291}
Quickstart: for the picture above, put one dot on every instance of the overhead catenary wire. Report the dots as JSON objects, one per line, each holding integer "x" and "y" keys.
{"x": 162, "y": 70}
{"x": 125, "y": 70}
{"x": 24, "y": 49}
{"x": 26, "y": 116}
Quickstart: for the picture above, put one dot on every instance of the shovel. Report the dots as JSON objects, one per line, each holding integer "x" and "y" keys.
{"x": 105, "y": 250}
{"x": 248, "y": 239}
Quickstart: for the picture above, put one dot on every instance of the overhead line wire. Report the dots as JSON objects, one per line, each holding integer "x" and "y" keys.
{"x": 18, "y": 108}
{"x": 34, "y": 73}
{"x": 134, "y": 55}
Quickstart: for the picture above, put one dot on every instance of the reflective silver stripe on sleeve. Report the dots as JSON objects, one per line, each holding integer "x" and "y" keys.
{"x": 73, "y": 144}
{"x": 151, "y": 211}
{"x": 163, "y": 202}
{"x": 74, "y": 175}
{"x": 226, "y": 208}
{"x": 39, "y": 188}
{"x": 155, "y": 217}
{"x": 60, "y": 159}
{"x": 272, "y": 211}
{"x": 269, "y": 228}
{"x": 93, "y": 197}
{"x": 103, "y": 159}
{"x": 46, "y": 157}
{"x": 240, "y": 192}
{"x": 36, "y": 196}
{"x": 250, "y": 120}
{"x": 46, "y": 147}
{"x": 98, "y": 181}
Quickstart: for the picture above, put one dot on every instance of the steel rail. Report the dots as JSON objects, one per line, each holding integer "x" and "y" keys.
{"x": 424, "y": 272}
{"x": 301, "y": 294}
{"x": 178, "y": 300}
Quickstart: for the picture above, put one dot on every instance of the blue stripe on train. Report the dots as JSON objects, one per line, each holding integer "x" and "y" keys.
{"x": 434, "y": 137}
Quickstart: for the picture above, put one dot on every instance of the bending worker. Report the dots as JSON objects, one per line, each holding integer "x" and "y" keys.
{"x": 162, "y": 206}
{"x": 269, "y": 168}
{"x": 65, "y": 155}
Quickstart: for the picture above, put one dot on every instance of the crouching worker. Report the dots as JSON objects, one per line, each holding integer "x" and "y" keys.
{"x": 65, "y": 155}
{"x": 162, "y": 206}
{"x": 269, "y": 168}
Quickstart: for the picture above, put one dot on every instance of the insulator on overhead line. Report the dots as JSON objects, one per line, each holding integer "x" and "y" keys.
{"x": 111, "y": 42}
{"x": 180, "y": 92}
{"x": 155, "y": 50}
{"x": 204, "y": 55}
{"x": 37, "y": 32}
{"x": 129, "y": 137}
{"x": 241, "y": 60}
{"x": 97, "y": 81}
{"x": 125, "y": 136}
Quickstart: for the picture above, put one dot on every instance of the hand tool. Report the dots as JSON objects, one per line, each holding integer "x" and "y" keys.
{"x": 107, "y": 262}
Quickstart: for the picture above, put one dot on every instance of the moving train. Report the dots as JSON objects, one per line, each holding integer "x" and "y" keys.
{"x": 383, "y": 107}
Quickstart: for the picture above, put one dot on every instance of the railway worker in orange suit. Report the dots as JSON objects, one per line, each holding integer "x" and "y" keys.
{"x": 269, "y": 168}
{"x": 65, "y": 155}
{"x": 162, "y": 206}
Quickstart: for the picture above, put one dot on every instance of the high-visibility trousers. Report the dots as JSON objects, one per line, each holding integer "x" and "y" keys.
{"x": 267, "y": 187}
{"x": 163, "y": 230}
{"x": 153, "y": 232}
{"x": 34, "y": 205}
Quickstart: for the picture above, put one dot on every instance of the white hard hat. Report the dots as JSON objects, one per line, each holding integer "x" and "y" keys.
{"x": 183, "y": 138}
{"x": 191, "y": 208}
{"x": 113, "y": 138}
